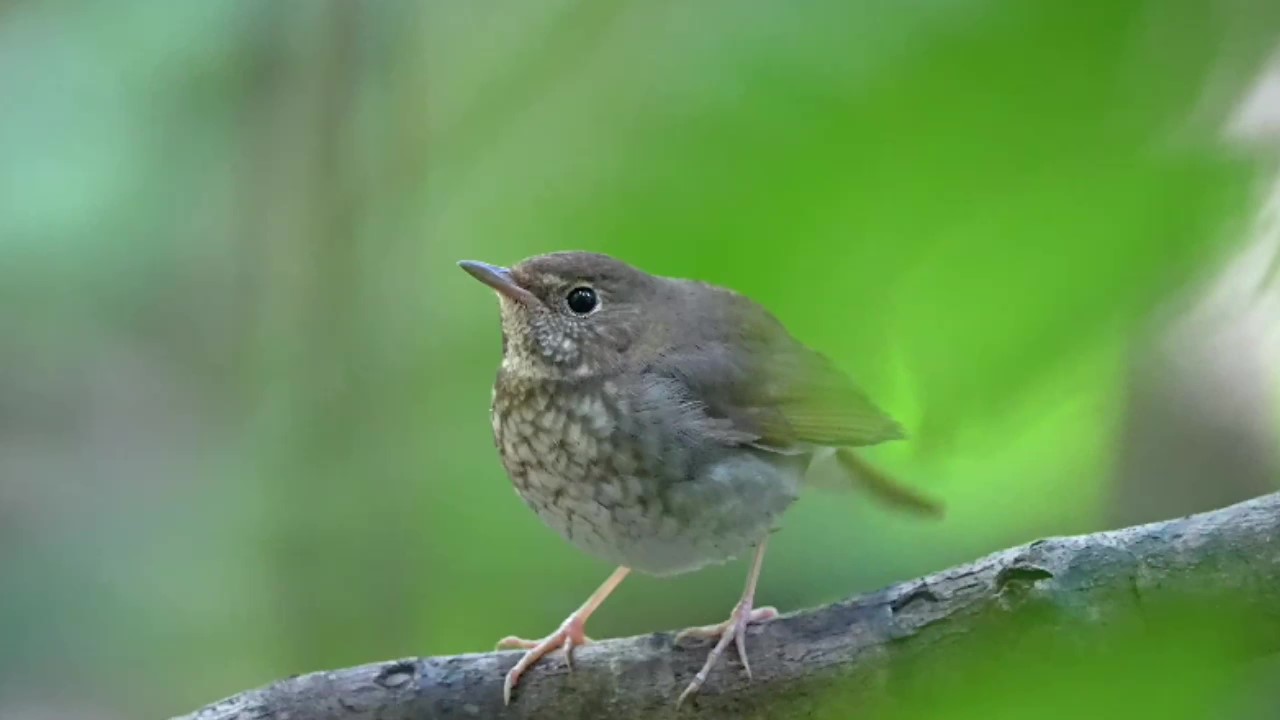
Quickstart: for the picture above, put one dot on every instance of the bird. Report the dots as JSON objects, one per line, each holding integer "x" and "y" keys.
{"x": 664, "y": 425}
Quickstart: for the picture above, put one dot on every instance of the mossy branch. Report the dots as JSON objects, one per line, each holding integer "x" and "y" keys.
{"x": 871, "y": 651}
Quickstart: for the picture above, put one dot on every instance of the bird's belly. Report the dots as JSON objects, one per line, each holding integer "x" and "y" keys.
{"x": 624, "y": 490}
{"x": 663, "y": 527}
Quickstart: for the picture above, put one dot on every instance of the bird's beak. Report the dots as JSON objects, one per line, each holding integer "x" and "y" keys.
{"x": 498, "y": 278}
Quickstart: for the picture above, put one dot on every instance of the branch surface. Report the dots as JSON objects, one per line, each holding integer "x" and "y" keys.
{"x": 871, "y": 650}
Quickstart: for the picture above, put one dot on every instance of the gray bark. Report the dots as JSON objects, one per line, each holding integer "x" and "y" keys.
{"x": 868, "y": 652}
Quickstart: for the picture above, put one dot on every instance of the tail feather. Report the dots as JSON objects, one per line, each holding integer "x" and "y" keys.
{"x": 885, "y": 487}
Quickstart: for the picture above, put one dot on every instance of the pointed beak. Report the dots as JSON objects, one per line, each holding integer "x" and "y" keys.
{"x": 498, "y": 278}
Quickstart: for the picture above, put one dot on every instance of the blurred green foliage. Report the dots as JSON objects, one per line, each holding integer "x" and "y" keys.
{"x": 1017, "y": 667}
{"x": 245, "y": 427}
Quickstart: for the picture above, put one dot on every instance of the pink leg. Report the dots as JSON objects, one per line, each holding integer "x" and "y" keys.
{"x": 571, "y": 634}
{"x": 732, "y": 630}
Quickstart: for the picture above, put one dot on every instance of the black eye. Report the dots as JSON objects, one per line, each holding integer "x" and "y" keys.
{"x": 582, "y": 300}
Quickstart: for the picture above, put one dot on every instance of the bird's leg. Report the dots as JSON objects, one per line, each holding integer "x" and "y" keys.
{"x": 570, "y": 635}
{"x": 732, "y": 630}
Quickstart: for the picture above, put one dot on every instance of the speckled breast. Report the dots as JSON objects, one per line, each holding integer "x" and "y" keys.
{"x": 622, "y": 490}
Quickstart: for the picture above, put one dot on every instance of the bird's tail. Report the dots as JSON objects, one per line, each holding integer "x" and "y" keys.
{"x": 884, "y": 487}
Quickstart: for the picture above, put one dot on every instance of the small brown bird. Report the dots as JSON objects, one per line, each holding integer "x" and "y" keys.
{"x": 663, "y": 425}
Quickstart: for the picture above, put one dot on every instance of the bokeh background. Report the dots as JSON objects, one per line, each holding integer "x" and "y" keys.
{"x": 244, "y": 389}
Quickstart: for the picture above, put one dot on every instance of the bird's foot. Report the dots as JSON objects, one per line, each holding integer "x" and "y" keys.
{"x": 570, "y": 635}
{"x": 732, "y": 630}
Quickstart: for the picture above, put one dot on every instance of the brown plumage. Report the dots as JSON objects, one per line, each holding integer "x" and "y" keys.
{"x": 663, "y": 424}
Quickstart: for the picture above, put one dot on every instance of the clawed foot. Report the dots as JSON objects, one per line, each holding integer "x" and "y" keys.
{"x": 732, "y": 630}
{"x": 570, "y": 635}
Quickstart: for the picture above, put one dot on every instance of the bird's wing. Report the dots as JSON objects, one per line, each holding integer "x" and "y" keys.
{"x": 767, "y": 386}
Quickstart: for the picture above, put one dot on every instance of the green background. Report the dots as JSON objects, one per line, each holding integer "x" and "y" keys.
{"x": 244, "y": 388}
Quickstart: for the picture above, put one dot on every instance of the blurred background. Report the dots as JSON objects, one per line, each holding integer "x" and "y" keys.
{"x": 244, "y": 388}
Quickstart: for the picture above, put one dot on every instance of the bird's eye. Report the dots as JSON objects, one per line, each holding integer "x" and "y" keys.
{"x": 582, "y": 300}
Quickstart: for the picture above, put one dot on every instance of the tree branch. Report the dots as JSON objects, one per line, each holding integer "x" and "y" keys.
{"x": 867, "y": 648}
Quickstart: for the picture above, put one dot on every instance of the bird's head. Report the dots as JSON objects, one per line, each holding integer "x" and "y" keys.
{"x": 568, "y": 314}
